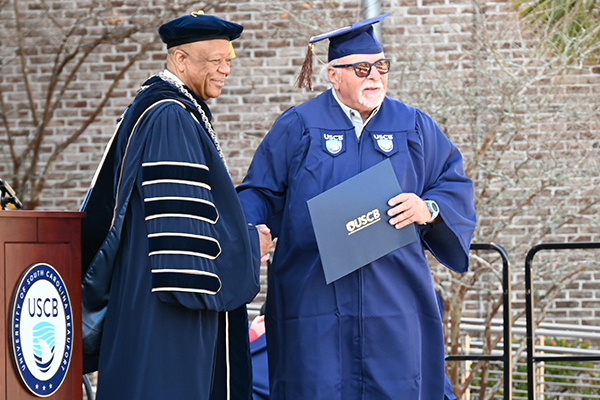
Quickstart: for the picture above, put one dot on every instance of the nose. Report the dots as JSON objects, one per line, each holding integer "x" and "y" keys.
{"x": 224, "y": 68}
{"x": 374, "y": 73}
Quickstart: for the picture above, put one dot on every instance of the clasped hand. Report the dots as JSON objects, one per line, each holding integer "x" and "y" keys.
{"x": 266, "y": 242}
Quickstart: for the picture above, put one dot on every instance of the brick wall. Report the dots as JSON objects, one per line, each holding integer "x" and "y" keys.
{"x": 528, "y": 130}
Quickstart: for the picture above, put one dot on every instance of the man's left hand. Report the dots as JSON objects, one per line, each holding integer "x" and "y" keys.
{"x": 406, "y": 209}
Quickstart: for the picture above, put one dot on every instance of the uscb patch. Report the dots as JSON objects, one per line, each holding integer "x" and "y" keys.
{"x": 385, "y": 142}
{"x": 41, "y": 329}
{"x": 333, "y": 143}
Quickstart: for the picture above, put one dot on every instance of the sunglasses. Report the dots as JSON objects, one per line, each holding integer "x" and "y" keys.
{"x": 363, "y": 69}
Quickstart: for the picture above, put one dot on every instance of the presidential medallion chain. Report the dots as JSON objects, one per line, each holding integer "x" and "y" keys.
{"x": 207, "y": 124}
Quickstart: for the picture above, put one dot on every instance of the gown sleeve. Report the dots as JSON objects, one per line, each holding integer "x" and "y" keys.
{"x": 446, "y": 184}
{"x": 189, "y": 229}
{"x": 263, "y": 191}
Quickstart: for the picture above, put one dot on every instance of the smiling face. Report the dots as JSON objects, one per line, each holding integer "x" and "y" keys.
{"x": 361, "y": 94}
{"x": 202, "y": 66}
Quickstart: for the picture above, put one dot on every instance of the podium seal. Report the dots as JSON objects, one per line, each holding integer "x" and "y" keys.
{"x": 41, "y": 330}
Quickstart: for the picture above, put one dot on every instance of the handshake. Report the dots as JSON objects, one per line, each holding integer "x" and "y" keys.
{"x": 266, "y": 242}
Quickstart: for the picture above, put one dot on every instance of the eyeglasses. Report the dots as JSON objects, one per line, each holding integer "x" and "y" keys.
{"x": 363, "y": 69}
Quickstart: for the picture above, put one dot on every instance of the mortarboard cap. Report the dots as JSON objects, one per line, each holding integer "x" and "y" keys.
{"x": 196, "y": 27}
{"x": 358, "y": 38}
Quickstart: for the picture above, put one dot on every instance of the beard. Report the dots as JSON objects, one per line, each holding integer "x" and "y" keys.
{"x": 371, "y": 100}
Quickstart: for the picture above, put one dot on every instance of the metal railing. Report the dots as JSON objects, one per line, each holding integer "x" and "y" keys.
{"x": 552, "y": 380}
{"x": 506, "y": 356}
{"x": 532, "y": 357}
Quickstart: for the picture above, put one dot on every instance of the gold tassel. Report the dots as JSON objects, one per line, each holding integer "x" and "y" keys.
{"x": 305, "y": 77}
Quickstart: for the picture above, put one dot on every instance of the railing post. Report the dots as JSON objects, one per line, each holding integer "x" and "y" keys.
{"x": 532, "y": 359}
{"x": 467, "y": 348}
{"x": 506, "y": 358}
{"x": 531, "y": 386}
{"x": 541, "y": 373}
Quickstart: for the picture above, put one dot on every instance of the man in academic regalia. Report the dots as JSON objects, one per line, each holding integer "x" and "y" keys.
{"x": 169, "y": 260}
{"x": 375, "y": 333}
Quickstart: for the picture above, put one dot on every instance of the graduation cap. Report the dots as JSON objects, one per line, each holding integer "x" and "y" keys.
{"x": 358, "y": 38}
{"x": 196, "y": 27}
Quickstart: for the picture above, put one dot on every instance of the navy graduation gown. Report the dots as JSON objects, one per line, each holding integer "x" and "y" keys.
{"x": 178, "y": 257}
{"x": 376, "y": 333}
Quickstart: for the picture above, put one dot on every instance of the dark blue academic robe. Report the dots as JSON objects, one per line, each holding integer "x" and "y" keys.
{"x": 376, "y": 333}
{"x": 260, "y": 368}
{"x": 179, "y": 254}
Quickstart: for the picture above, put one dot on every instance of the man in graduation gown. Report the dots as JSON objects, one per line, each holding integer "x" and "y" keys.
{"x": 375, "y": 333}
{"x": 172, "y": 261}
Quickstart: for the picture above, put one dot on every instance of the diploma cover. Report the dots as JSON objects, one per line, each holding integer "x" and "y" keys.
{"x": 351, "y": 223}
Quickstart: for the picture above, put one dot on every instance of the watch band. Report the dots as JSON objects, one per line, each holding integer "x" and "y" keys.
{"x": 434, "y": 209}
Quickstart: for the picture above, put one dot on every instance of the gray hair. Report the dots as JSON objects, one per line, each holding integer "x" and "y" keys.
{"x": 323, "y": 72}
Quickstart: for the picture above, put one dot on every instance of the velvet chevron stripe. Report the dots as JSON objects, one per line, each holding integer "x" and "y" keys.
{"x": 185, "y": 281}
{"x": 183, "y": 243}
{"x": 183, "y": 207}
{"x": 175, "y": 172}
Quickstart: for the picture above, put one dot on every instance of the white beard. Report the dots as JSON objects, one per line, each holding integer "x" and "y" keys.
{"x": 371, "y": 101}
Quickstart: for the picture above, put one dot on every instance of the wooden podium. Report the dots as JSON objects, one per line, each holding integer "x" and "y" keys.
{"x": 30, "y": 238}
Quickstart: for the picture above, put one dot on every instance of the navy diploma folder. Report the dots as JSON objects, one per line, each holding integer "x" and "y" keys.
{"x": 351, "y": 223}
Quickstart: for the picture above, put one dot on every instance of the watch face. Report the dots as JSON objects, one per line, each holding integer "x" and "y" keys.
{"x": 431, "y": 206}
{"x": 433, "y": 209}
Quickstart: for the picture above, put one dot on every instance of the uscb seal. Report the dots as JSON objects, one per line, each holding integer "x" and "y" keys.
{"x": 41, "y": 329}
{"x": 385, "y": 142}
{"x": 386, "y": 145}
{"x": 333, "y": 143}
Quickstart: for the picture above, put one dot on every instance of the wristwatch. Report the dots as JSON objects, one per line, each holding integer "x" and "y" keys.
{"x": 434, "y": 209}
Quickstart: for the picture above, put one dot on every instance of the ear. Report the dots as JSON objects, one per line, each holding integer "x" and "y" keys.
{"x": 179, "y": 57}
{"x": 334, "y": 76}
